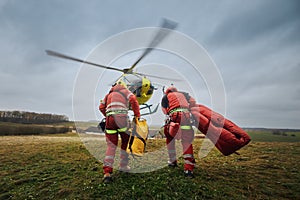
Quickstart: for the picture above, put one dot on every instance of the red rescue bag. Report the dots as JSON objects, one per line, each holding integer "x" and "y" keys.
{"x": 227, "y": 136}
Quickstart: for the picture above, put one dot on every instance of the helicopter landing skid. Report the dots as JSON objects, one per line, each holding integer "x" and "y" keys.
{"x": 150, "y": 111}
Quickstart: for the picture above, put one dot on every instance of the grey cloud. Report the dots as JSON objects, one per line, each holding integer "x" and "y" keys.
{"x": 255, "y": 44}
{"x": 249, "y": 21}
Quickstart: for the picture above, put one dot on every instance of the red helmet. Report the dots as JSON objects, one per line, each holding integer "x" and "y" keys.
{"x": 171, "y": 89}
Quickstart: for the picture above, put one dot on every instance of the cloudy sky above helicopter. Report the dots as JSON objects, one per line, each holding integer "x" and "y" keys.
{"x": 255, "y": 45}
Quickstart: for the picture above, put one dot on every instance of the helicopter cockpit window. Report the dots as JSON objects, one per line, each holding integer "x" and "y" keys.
{"x": 130, "y": 79}
{"x": 136, "y": 88}
{"x": 138, "y": 91}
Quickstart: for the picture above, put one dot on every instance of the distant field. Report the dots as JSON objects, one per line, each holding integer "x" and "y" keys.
{"x": 59, "y": 167}
{"x": 8, "y": 128}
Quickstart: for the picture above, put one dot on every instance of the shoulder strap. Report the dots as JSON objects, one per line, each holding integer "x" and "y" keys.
{"x": 186, "y": 95}
{"x": 122, "y": 95}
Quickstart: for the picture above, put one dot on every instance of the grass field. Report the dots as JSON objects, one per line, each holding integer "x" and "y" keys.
{"x": 268, "y": 136}
{"x": 60, "y": 167}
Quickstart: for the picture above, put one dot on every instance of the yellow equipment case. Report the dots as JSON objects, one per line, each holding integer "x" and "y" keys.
{"x": 138, "y": 137}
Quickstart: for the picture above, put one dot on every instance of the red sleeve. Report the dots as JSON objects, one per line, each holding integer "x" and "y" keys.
{"x": 134, "y": 104}
{"x": 102, "y": 106}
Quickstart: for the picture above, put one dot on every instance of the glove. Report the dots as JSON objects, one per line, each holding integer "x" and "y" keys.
{"x": 101, "y": 125}
{"x": 136, "y": 118}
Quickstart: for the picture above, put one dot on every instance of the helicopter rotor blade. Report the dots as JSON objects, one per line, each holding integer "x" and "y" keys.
{"x": 159, "y": 77}
{"x": 165, "y": 29}
{"x": 60, "y": 55}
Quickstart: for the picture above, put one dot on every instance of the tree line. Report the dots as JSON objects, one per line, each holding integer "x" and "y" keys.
{"x": 31, "y": 117}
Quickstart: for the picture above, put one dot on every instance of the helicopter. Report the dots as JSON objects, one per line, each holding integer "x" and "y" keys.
{"x": 136, "y": 82}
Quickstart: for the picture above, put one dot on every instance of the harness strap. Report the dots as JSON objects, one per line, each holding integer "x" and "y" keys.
{"x": 115, "y": 112}
{"x": 182, "y": 127}
{"x": 109, "y": 131}
{"x": 186, "y": 127}
{"x": 178, "y": 110}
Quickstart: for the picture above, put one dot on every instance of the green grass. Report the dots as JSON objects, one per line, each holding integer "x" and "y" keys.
{"x": 60, "y": 167}
{"x": 268, "y": 136}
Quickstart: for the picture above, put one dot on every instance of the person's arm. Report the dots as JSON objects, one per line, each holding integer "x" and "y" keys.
{"x": 102, "y": 106}
{"x": 164, "y": 104}
{"x": 134, "y": 104}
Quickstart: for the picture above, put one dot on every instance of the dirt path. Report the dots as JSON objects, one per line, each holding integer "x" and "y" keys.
{"x": 48, "y": 139}
{"x": 37, "y": 139}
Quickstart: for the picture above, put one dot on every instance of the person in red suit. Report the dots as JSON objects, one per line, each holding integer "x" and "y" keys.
{"x": 177, "y": 106}
{"x": 115, "y": 107}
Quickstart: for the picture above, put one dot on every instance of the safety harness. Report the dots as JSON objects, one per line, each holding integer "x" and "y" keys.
{"x": 180, "y": 109}
{"x": 182, "y": 127}
{"x": 116, "y": 111}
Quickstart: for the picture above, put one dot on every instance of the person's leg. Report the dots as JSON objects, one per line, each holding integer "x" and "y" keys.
{"x": 112, "y": 143}
{"x": 170, "y": 141}
{"x": 123, "y": 153}
{"x": 188, "y": 155}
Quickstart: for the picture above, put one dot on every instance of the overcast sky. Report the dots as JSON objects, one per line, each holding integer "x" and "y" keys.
{"x": 254, "y": 44}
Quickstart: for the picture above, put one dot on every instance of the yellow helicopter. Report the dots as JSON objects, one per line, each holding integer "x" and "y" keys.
{"x": 136, "y": 82}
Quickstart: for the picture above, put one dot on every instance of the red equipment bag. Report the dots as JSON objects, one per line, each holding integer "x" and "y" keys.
{"x": 227, "y": 136}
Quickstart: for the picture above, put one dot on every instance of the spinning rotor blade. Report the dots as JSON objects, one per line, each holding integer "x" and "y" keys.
{"x": 165, "y": 29}
{"x": 56, "y": 54}
{"x": 164, "y": 78}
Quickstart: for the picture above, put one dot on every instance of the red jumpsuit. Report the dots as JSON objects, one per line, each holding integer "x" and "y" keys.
{"x": 176, "y": 105}
{"x": 115, "y": 107}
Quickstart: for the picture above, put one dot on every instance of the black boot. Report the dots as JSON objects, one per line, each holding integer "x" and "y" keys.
{"x": 107, "y": 178}
{"x": 188, "y": 174}
{"x": 172, "y": 164}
